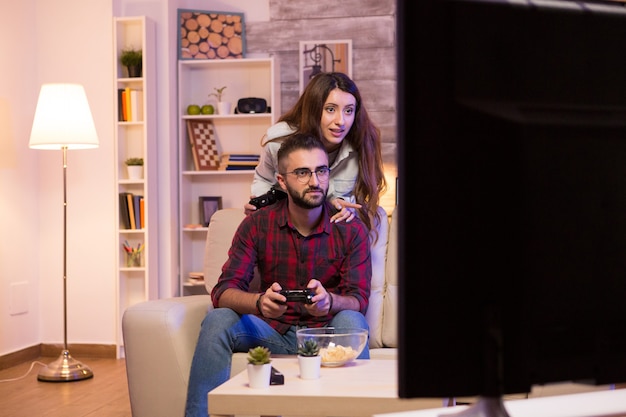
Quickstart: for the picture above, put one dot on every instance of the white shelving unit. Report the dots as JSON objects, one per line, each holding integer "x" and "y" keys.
{"x": 135, "y": 284}
{"x": 235, "y": 133}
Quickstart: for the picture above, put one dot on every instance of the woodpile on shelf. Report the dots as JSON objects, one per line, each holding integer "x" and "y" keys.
{"x": 211, "y": 35}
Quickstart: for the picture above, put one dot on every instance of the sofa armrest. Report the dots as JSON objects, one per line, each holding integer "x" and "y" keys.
{"x": 159, "y": 341}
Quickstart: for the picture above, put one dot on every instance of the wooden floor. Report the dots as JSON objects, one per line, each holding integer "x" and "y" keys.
{"x": 104, "y": 395}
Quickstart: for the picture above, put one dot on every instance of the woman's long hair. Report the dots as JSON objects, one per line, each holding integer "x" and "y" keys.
{"x": 364, "y": 137}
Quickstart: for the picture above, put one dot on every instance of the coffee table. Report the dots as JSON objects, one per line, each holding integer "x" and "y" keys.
{"x": 361, "y": 388}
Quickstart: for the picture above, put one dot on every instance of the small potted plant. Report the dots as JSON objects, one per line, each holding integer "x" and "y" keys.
{"x": 132, "y": 59}
{"x": 223, "y": 107}
{"x": 135, "y": 168}
{"x": 309, "y": 359}
{"x": 259, "y": 367}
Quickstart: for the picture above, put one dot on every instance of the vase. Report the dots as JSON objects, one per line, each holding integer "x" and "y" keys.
{"x": 134, "y": 71}
{"x": 133, "y": 259}
{"x": 224, "y": 107}
{"x": 310, "y": 366}
{"x": 135, "y": 172}
{"x": 259, "y": 375}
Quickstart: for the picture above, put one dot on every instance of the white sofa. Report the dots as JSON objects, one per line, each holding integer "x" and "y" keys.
{"x": 160, "y": 335}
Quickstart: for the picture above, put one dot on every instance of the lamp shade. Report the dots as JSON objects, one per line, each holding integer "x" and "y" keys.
{"x": 63, "y": 119}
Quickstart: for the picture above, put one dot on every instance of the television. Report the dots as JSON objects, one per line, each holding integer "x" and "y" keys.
{"x": 512, "y": 196}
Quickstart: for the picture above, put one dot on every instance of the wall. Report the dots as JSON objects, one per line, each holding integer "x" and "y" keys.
{"x": 60, "y": 41}
{"x": 71, "y": 41}
{"x": 18, "y": 206}
{"x": 371, "y": 26}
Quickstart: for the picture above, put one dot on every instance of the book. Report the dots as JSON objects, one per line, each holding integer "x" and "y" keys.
{"x": 242, "y": 163}
{"x": 124, "y": 106}
{"x": 243, "y": 157}
{"x": 229, "y": 164}
{"x": 142, "y": 211}
{"x": 136, "y": 105}
{"x": 137, "y": 211}
{"x": 131, "y": 210}
{"x": 239, "y": 167}
{"x": 120, "y": 108}
{"x": 129, "y": 115}
{"x": 124, "y": 214}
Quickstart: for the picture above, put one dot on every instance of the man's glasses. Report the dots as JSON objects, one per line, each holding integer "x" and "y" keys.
{"x": 303, "y": 175}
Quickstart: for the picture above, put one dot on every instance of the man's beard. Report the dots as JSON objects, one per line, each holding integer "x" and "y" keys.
{"x": 305, "y": 200}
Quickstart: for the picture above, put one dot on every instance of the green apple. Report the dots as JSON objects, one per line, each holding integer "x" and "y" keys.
{"x": 208, "y": 109}
{"x": 193, "y": 109}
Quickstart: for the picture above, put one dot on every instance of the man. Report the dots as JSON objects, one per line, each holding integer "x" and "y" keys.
{"x": 295, "y": 246}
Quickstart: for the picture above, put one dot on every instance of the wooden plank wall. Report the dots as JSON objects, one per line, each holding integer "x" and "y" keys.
{"x": 371, "y": 26}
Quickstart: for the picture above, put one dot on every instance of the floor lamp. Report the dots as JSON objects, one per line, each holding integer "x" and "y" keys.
{"x": 63, "y": 121}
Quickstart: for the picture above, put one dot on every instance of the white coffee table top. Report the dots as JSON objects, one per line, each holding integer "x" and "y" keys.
{"x": 362, "y": 388}
{"x": 588, "y": 404}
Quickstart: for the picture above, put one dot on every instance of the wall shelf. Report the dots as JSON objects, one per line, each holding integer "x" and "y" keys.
{"x": 235, "y": 133}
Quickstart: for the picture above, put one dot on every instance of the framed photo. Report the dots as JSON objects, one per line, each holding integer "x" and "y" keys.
{"x": 324, "y": 56}
{"x": 211, "y": 35}
{"x": 208, "y": 206}
{"x": 204, "y": 150}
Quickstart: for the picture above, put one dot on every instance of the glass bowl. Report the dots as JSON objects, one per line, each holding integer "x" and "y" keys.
{"x": 337, "y": 346}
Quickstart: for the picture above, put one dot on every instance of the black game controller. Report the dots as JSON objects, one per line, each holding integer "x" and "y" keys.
{"x": 299, "y": 296}
{"x": 270, "y": 197}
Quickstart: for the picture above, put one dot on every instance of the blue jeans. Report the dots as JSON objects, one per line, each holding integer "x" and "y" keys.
{"x": 224, "y": 332}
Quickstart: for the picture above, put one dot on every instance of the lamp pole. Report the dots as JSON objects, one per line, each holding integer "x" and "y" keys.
{"x": 65, "y": 368}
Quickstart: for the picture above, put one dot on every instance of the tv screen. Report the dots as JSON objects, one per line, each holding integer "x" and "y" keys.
{"x": 512, "y": 185}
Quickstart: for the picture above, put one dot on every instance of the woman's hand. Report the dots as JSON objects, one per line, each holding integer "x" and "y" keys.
{"x": 249, "y": 208}
{"x": 347, "y": 210}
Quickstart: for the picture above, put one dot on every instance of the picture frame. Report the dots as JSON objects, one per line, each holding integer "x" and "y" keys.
{"x": 211, "y": 34}
{"x": 204, "y": 150}
{"x": 208, "y": 206}
{"x": 324, "y": 56}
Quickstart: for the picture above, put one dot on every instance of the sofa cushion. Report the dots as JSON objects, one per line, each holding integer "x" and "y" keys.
{"x": 222, "y": 228}
{"x": 374, "y": 314}
{"x": 390, "y": 309}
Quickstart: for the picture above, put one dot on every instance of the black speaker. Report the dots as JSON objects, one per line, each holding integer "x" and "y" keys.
{"x": 251, "y": 105}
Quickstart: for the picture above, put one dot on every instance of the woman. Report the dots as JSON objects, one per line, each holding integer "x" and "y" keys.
{"x": 331, "y": 108}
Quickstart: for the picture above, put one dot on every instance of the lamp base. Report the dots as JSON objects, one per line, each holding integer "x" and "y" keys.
{"x": 65, "y": 369}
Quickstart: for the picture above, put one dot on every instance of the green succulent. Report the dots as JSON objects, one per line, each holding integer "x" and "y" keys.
{"x": 259, "y": 355}
{"x": 309, "y": 348}
{"x": 134, "y": 161}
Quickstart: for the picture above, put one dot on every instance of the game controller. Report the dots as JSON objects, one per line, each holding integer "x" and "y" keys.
{"x": 268, "y": 198}
{"x": 299, "y": 296}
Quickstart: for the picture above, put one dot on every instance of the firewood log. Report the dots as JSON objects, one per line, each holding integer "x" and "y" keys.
{"x": 210, "y": 36}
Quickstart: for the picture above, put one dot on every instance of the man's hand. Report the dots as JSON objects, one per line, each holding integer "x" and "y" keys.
{"x": 321, "y": 299}
{"x": 347, "y": 210}
{"x": 272, "y": 303}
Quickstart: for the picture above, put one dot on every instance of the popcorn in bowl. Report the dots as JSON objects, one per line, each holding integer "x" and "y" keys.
{"x": 337, "y": 346}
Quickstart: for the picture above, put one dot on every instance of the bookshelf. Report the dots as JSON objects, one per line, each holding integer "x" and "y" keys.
{"x": 233, "y": 134}
{"x": 135, "y": 137}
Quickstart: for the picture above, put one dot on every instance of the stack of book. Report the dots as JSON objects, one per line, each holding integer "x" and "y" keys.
{"x": 196, "y": 278}
{"x": 129, "y": 105}
{"x": 232, "y": 162}
{"x": 131, "y": 211}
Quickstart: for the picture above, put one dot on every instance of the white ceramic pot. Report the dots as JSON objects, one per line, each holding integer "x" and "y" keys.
{"x": 223, "y": 107}
{"x": 259, "y": 375}
{"x": 310, "y": 366}
{"x": 135, "y": 172}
